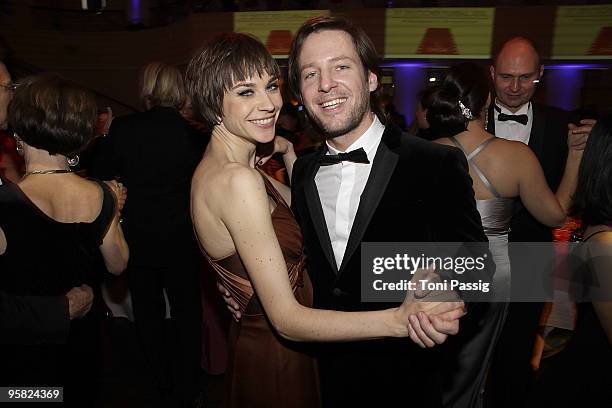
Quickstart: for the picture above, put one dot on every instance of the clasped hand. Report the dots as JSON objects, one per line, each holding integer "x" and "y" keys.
{"x": 430, "y": 316}
{"x": 120, "y": 192}
{"x": 577, "y": 136}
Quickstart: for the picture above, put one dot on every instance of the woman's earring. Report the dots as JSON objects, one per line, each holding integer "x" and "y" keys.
{"x": 73, "y": 160}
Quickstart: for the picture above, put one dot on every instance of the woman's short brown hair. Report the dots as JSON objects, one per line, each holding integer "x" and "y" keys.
{"x": 53, "y": 114}
{"x": 227, "y": 59}
{"x": 162, "y": 85}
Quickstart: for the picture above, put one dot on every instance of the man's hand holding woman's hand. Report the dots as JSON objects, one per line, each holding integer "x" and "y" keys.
{"x": 577, "y": 135}
{"x": 120, "y": 192}
{"x": 430, "y": 322}
{"x": 80, "y": 299}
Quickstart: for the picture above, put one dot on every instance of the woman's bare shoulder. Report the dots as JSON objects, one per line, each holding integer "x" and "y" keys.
{"x": 509, "y": 146}
{"x": 510, "y": 152}
{"x": 604, "y": 237}
{"x": 599, "y": 241}
{"x": 226, "y": 180}
{"x": 444, "y": 141}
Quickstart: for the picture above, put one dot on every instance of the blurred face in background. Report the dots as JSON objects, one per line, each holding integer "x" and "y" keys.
{"x": 5, "y": 95}
{"x": 421, "y": 116}
{"x": 187, "y": 111}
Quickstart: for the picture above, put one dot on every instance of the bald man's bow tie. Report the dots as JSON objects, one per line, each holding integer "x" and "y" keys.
{"x": 503, "y": 117}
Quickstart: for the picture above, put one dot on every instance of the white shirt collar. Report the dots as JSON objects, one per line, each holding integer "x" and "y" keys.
{"x": 513, "y": 130}
{"x": 369, "y": 140}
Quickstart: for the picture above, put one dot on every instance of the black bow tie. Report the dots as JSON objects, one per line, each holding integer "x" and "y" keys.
{"x": 356, "y": 156}
{"x": 503, "y": 117}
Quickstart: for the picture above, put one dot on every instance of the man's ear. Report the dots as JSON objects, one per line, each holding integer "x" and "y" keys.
{"x": 492, "y": 71}
{"x": 372, "y": 81}
{"x": 541, "y": 72}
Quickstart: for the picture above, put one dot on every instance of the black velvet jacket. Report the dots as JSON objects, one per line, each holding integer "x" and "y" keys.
{"x": 417, "y": 191}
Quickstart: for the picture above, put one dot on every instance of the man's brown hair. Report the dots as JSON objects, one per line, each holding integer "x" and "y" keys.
{"x": 363, "y": 46}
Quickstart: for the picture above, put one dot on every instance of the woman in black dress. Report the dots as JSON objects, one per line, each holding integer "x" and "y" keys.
{"x": 54, "y": 224}
{"x": 580, "y": 374}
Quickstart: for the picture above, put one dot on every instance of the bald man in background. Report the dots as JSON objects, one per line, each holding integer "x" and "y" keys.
{"x": 515, "y": 72}
{"x": 36, "y": 319}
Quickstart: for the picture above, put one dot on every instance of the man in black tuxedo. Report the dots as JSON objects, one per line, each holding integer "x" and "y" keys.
{"x": 515, "y": 72}
{"x": 41, "y": 319}
{"x": 155, "y": 153}
{"x": 390, "y": 188}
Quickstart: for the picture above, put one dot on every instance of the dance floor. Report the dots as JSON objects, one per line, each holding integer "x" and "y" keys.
{"x": 124, "y": 379}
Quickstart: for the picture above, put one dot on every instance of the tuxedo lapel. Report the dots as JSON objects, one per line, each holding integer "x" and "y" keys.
{"x": 382, "y": 169}
{"x": 313, "y": 202}
{"x": 538, "y": 131}
{"x": 491, "y": 120}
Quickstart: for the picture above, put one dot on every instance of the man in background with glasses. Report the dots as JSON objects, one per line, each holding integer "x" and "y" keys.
{"x": 6, "y": 92}
{"x": 11, "y": 165}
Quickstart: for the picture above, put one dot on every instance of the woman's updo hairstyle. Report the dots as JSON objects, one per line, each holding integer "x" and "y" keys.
{"x": 461, "y": 97}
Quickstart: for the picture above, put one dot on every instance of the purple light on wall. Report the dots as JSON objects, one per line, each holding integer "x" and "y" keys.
{"x": 404, "y": 64}
{"x": 409, "y": 80}
{"x": 563, "y": 87}
{"x": 577, "y": 66}
{"x": 135, "y": 11}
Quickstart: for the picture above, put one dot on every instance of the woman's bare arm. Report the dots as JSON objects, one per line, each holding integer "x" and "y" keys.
{"x": 247, "y": 218}
{"x": 548, "y": 208}
{"x": 114, "y": 248}
{"x": 2, "y": 242}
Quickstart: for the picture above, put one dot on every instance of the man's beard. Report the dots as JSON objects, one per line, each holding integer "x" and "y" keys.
{"x": 354, "y": 119}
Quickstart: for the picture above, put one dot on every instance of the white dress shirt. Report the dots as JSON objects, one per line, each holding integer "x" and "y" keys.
{"x": 512, "y": 130}
{"x": 340, "y": 187}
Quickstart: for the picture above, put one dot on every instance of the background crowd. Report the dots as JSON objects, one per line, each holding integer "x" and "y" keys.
{"x": 97, "y": 220}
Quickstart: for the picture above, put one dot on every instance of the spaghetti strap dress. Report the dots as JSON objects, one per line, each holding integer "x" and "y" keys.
{"x": 264, "y": 369}
{"x": 496, "y": 214}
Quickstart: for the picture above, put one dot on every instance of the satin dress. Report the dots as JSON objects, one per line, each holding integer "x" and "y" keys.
{"x": 264, "y": 369}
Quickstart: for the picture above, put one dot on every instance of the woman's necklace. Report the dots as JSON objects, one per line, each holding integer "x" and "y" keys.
{"x": 55, "y": 171}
